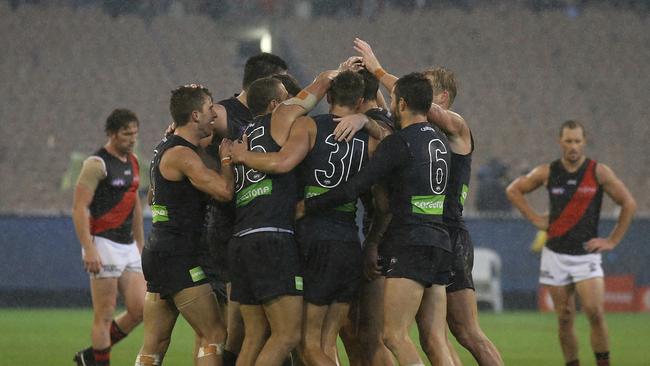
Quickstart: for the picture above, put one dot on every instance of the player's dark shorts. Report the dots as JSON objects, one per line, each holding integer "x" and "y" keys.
{"x": 167, "y": 273}
{"x": 332, "y": 271}
{"x": 463, "y": 262}
{"x": 215, "y": 276}
{"x": 264, "y": 266}
{"x": 427, "y": 265}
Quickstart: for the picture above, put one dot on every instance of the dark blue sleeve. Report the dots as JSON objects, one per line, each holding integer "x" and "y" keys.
{"x": 390, "y": 154}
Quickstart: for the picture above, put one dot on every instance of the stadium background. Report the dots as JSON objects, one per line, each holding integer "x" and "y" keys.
{"x": 523, "y": 66}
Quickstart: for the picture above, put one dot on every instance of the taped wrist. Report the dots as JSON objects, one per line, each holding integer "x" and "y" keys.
{"x": 304, "y": 99}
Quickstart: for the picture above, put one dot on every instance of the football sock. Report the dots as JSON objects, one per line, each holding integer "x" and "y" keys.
{"x": 602, "y": 358}
{"x": 116, "y": 333}
{"x": 102, "y": 356}
{"x": 229, "y": 358}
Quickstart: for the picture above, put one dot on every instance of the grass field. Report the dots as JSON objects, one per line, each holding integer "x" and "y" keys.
{"x": 51, "y": 336}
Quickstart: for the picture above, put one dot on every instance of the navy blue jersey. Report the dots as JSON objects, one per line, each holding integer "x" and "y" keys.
{"x": 459, "y": 176}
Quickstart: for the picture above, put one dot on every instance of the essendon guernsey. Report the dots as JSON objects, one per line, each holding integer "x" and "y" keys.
{"x": 111, "y": 211}
{"x": 575, "y": 207}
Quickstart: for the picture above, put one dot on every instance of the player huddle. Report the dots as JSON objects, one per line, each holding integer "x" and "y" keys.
{"x": 254, "y": 208}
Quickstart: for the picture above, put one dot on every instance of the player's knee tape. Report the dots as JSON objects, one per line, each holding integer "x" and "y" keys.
{"x": 304, "y": 99}
{"x": 211, "y": 349}
{"x": 148, "y": 360}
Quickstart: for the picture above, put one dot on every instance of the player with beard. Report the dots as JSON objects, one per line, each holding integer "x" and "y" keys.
{"x": 571, "y": 259}
{"x": 416, "y": 248}
{"x": 176, "y": 282}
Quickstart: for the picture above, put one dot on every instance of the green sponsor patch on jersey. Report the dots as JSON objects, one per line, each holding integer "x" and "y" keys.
{"x": 159, "y": 213}
{"x": 428, "y": 205}
{"x": 463, "y": 194}
{"x": 262, "y": 188}
{"x": 298, "y": 280}
{"x": 197, "y": 274}
{"x": 312, "y": 191}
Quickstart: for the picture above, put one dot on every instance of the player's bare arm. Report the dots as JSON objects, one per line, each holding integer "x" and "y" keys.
{"x": 619, "y": 193}
{"x": 138, "y": 226}
{"x": 288, "y": 111}
{"x": 181, "y": 161}
{"x": 380, "y": 220}
{"x": 524, "y": 185}
{"x": 290, "y": 155}
{"x": 454, "y": 126}
{"x": 92, "y": 172}
{"x": 371, "y": 63}
{"x": 349, "y": 125}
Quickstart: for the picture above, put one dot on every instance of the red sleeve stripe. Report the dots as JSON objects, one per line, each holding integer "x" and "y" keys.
{"x": 577, "y": 206}
{"x": 117, "y": 215}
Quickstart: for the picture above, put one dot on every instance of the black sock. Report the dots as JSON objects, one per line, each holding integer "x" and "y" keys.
{"x": 229, "y": 358}
{"x": 602, "y": 358}
{"x": 102, "y": 356}
{"x": 116, "y": 333}
{"x": 573, "y": 363}
{"x": 288, "y": 361}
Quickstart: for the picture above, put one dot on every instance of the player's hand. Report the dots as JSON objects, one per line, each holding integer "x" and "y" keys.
{"x": 369, "y": 59}
{"x": 225, "y": 151}
{"x": 599, "y": 245}
{"x": 354, "y": 63}
{"x": 328, "y": 75}
{"x": 239, "y": 149}
{"x": 300, "y": 209}
{"x": 541, "y": 222}
{"x": 349, "y": 125}
{"x": 91, "y": 260}
{"x": 170, "y": 129}
{"x": 371, "y": 269}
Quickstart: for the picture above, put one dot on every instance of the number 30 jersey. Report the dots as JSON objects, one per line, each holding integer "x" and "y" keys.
{"x": 328, "y": 165}
{"x": 415, "y": 162}
{"x": 263, "y": 202}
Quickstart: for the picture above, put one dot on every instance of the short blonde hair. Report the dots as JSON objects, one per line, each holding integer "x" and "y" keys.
{"x": 442, "y": 79}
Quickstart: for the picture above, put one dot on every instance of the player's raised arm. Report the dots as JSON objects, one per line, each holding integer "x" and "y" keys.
{"x": 618, "y": 192}
{"x": 371, "y": 63}
{"x": 526, "y": 184}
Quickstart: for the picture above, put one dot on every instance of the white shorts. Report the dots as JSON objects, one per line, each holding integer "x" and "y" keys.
{"x": 116, "y": 258}
{"x": 562, "y": 269}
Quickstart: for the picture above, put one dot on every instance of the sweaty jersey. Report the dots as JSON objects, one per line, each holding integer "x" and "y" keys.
{"x": 263, "y": 202}
{"x": 415, "y": 162}
{"x": 178, "y": 208}
{"x": 328, "y": 165}
{"x": 575, "y": 200}
{"x": 381, "y": 116}
{"x": 111, "y": 210}
{"x": 459, "y": 175}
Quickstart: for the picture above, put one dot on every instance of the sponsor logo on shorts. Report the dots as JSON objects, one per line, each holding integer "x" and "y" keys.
{"x": 298, "y": 282}
{"x": 197, "y": 274}
{"x": 263, "y": 188}
{"x": 110, "y": 268}
{"x": 428, "y": 205}
{"x": 593, "y": 267}
{"x": 546, "y": 274}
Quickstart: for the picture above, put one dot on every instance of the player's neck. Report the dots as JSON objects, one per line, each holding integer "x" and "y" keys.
{"x": 407, "y": 119}
{"x": 115, "y": 152}
{"x": 342, "y": 111}
{"x": 189, "y": 132}
{"x": 366, "y": 106}
{"x": 242, "y": 98}
{"x": 570, "y": 166}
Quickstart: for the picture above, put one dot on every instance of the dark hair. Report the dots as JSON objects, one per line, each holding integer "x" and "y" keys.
{"x": 262, "y": 65}
{"x": 573, "y": 124}
{"x": 371, "y": 85}
{"x": 119, "y": 119}
{"x": 346, "y": 89}
{"x": 416, "y": 91}
{"x": 185, "y": 100}
{"x": 290, "y": 83}
{"x": 261, "y": 92}
{"x": 443, "y": 79}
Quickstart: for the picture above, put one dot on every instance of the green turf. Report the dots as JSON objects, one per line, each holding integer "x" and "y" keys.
{"x": 51, "y": 336}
